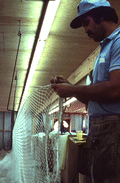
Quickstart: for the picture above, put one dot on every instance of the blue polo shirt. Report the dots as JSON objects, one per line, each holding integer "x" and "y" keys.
{"x": 108, "y": 60}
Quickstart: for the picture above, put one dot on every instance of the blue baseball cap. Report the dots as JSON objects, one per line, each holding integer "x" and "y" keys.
{"x": 85, "y": 6}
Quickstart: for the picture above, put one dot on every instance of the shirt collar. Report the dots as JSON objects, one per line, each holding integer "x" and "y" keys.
{"x": 111, "y": 37}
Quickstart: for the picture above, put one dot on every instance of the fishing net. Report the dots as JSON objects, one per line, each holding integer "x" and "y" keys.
{"x": 35, "y": 156}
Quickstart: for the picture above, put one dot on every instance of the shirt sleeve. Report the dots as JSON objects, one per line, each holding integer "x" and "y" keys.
{"x": 115, "y": 56}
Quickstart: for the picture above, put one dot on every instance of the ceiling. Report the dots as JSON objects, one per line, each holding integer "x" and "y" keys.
{"x": 64, "y": 52}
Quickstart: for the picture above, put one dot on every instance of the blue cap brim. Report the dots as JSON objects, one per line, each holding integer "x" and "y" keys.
{"x": 76, "y": 23}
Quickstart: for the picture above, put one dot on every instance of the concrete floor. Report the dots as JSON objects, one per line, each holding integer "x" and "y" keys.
{"x": 5, "y": 174}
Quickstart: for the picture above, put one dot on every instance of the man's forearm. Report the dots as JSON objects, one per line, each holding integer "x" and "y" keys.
{"x": 101, "y": 92}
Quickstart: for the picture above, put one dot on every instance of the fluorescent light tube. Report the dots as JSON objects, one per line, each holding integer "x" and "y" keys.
{"x": 65, "y": 104}
{"x": 48, "y": 20}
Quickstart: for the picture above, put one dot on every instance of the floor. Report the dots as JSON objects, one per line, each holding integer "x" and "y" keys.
{"x": 3, "y": 153}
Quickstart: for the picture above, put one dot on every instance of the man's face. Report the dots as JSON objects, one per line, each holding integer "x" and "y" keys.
{"x": 94, "y": 30}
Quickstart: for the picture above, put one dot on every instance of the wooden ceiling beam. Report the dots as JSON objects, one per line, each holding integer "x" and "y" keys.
{"x": 85, "y": 68}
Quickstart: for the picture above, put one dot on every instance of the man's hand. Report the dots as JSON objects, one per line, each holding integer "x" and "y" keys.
{"x": 60, "y": 79}
{"x": 63, "y": 89}
{"x": 105, "y": 92}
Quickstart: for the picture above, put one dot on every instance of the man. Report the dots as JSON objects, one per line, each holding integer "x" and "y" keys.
{"x": 100, "y": 22}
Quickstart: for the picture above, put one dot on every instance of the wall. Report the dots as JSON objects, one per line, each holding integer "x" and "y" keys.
{"x": 5, "y": 131}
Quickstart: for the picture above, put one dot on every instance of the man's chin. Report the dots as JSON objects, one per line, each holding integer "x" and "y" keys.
{"x": 91, "y": 36}
{"x": 96, "y": 39}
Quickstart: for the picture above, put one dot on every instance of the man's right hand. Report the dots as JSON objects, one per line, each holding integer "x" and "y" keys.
{"x": 59, "y": 79}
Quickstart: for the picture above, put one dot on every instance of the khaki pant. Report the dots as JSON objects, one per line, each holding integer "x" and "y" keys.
{"x": 87, "y": 179}
{"x": 104, "y": 156}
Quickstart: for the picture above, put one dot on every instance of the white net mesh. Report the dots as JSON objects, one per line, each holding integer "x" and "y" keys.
{"x": 35, "y": 153}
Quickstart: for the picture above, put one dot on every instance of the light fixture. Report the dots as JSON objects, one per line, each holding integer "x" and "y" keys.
{"x": 38, "y": 51}
{"x": 54, "y": 110}
{"x": 69, "y": 101}
{"x": 64, "y": 104}
{"x": 48, "y": 20}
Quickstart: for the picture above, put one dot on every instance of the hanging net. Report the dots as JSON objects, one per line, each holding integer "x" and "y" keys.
{"x": 36, "y": 147}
